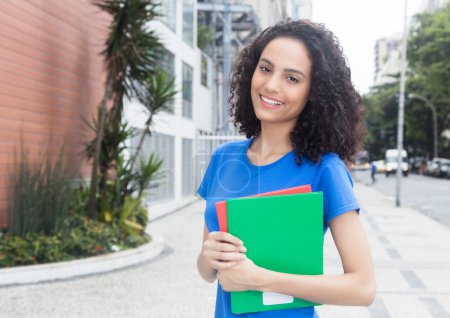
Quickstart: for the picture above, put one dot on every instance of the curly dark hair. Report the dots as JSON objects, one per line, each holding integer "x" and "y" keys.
{"x": 332, "y": 120}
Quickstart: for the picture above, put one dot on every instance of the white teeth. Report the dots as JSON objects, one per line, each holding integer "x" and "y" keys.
{"x": 269, "y": 101}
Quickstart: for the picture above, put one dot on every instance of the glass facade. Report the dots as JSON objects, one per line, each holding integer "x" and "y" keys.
{"x": 168, "y": 12}
{"x": 168, "y": 64}
{"x": 204, "y": 71}
{"x": 188, "y": 22}
{"x": 187, "y": 90}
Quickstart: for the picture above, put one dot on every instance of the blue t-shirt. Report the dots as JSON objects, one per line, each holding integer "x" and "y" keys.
{"x": 230, "y": 174}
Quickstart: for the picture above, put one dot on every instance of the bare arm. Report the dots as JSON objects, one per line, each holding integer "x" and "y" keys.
{"x": 220, "y": 251}
{"x": 356, "y": 286}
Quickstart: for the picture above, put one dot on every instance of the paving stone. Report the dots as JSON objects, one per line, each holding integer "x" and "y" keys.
{"x": 406, "y": 246}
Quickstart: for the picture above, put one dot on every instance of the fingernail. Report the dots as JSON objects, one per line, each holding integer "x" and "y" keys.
{"x": 241, "y": 243}
{"x": 243, "y": 249}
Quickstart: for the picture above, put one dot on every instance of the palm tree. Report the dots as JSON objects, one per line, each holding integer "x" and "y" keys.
{"x": 156, "y": 98}
{"x": 131, "y": 53}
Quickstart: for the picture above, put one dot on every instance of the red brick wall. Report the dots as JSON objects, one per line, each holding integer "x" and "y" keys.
{"x": 51, "y": 74}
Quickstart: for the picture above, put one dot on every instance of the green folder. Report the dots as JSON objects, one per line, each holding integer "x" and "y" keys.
{"x": 281, "y": 233}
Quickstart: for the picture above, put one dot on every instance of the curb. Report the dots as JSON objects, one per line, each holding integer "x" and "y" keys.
{"x": 82, "y": 267}
{"x": 164, "y": 209}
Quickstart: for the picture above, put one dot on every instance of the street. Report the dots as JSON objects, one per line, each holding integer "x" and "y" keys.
{"x": 429, "y": 195}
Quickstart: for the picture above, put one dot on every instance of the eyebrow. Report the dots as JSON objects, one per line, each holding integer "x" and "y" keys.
{"x": 292, "y": 70}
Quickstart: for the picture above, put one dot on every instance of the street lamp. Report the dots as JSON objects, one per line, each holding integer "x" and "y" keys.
{"x": 401, "y": 109}
{"x": 433, "y": 110}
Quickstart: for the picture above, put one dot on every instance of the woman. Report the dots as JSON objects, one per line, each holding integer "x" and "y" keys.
{"x": 292, "y": 96}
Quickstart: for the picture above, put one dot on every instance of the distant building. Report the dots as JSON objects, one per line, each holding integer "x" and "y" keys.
{"x": 270, "y": 12}
{"x": 433, "y": 5}
{"x": 387, "y": 60}
{"x": 388, "y": 50}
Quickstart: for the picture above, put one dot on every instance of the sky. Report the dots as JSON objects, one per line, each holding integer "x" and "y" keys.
{"x": 358, "y": 24}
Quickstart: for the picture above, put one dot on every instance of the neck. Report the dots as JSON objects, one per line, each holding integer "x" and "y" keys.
{"x": 273, "y": 140}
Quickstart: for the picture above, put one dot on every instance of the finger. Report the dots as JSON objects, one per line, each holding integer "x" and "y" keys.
{"x": 226, "y": 237}
{"x": 225, "y": 256}
{"x": 219, "y": 246}
{"x": 222, "y": 265}
{"x": 225, "y": 247}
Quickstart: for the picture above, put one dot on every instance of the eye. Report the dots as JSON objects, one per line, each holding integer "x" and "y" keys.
{"x": 292, "y": 79}
{"x": 265, "y": 69}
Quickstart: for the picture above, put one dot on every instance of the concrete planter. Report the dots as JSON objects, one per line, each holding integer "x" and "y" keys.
{"x": 82, "y": 267}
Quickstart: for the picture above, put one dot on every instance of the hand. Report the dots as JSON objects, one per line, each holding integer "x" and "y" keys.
{"x": 223, "y": 250}
{"x": 243, "y": 276}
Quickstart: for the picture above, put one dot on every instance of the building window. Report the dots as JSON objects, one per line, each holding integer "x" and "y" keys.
{"x": 187, "y": 91}
{"x": 188, "y": 22}
{"x": 204, "y": 71}
{"x": 168, "y": 12}
{"x": 168, "y": 64}
{"x": 187, "y": 168}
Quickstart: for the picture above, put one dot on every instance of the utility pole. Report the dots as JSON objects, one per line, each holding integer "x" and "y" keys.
{"x": 401, "y": 109}
{"x": 283, "y": 9}
{"x": 226, "y": 70}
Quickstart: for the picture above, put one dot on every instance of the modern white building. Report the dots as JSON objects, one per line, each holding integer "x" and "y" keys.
{"x": 198, "y": 106}
{"x": 173, "y": 132}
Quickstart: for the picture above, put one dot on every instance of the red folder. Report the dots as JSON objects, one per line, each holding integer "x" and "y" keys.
{"x": 221, "y": 206}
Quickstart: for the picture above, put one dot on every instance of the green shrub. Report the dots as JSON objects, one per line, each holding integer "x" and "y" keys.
{"x": 79, "y": 237}
{"x": 83, "y": 237}
{"x": 41, "y": 196}
{"x": 31, "y": 249}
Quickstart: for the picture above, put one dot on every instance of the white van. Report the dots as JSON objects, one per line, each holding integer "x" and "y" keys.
{"x": 392, "y": 162}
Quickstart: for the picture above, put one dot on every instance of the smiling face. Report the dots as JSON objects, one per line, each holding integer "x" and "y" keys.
{"x": 281, "y": 82}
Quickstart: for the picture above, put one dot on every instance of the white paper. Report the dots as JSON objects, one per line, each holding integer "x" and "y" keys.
{"x": 270, "y": 298}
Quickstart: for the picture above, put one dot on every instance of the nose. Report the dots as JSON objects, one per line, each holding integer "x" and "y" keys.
{"x": 272, "y": 85}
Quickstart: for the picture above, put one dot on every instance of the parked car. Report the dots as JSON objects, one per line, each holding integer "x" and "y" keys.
{"x": 361, "y": 165}
{"x": 432, "y": 168}
{"x": 443, "y": 170}
{"x": 416, "y": 162}
{"x": 381, "y": 166}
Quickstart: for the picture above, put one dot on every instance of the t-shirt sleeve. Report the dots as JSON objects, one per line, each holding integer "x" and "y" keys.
{"x": 337, "y": 186}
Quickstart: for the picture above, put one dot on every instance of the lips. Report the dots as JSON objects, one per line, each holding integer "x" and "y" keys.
{"x": 269, "y": 102}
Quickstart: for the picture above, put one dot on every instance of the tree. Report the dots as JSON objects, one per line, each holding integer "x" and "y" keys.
{"x": 428, "y": 75}
{"x": 429, "y": 63}
{"x": 132, "y": 54}
{"x": 381, "y": 116}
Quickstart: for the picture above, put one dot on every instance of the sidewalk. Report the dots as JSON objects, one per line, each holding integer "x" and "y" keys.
{"x": 411, "y": 255}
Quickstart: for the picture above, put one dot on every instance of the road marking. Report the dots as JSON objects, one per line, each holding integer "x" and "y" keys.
{"x": 372, "y": 224}
{"x": 413, "y": 280}
{"x": 384, "y": 240}
{"x": 378, "y": 309}
{"x": 434, "y": 307}
{"x": 393, "y": 253}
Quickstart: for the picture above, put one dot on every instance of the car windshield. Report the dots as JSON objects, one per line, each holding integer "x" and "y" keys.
{"x": 394, "y": 159}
